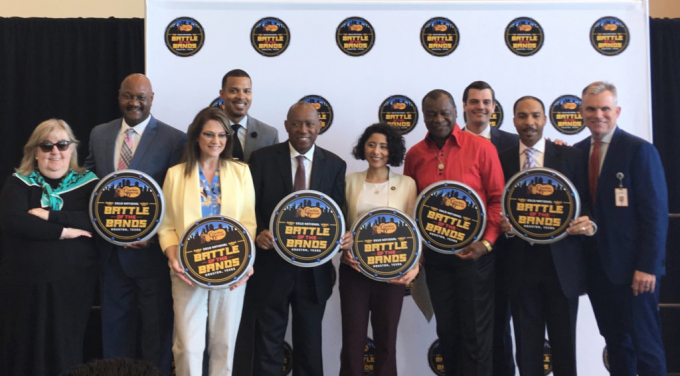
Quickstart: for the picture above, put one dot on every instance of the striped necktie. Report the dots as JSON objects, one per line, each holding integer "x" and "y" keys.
{"x": 529, "y": 159}
{"x": 126, "y": 150}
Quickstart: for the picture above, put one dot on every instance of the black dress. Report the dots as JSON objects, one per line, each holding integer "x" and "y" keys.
{"x": 46, "y": 284}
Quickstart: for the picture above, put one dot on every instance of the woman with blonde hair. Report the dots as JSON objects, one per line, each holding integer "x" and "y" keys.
{"x": 49, "y": 266}
{"x": 206, "y": 182}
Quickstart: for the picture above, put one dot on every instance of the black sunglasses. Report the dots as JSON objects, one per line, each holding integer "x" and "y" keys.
{"x": 47, "y": 146}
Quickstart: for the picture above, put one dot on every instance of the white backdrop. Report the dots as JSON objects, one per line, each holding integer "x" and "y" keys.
{"x": 398, "y": 64}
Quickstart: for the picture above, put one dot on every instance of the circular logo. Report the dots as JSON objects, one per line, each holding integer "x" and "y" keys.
{"x": 439, "y": 36}
{"x": 524, "y": 36}
{"x": 217, "y": 102}
{"x": 386, "y": 244}
{"x": 547, "y": 358}
{"x": 565, "y": 115}
{"x": 184, "y": 36}
{"x": 496, "y": 119}
{"x": 399, "y": 112}
{"x": 539, "y": 203}
{"x": 287, "y": 358}
{"x": 127, "y": 206}
{"x": 323, "y": 107}
{"x": 355, "y": 36}
{"x": 216, "y": 252}
{"x": 270, "y": 36}
{"x": 435, "y": 359}
{"x": 369, "y": 357}
{"x": 609, "y": 36}
{"x": 307, "y": 226}
{"x": 450, "y": 216}
{"x": 605, "y": 358}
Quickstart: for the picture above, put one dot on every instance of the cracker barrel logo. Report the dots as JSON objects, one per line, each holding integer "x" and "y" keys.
{"x": 435, "y": 359}
{"x": 270, "y": 36}
{"x": 386, "y": 244}
{"x": 540, "y": 203}
{"x": 547, "y": 358}
{"x": 496, "y": 119}
{"x": 287, "y": 358}
{"x": 217, "y": 102}
{"x": 450, "y": 216}
{"x": 565, "y": 114}
{"x": 439, "y": 36}
{"x": 399, "y": 112}
{"x": 524, "y": 36}
{"x": 307, "y": 227}
{"x": 216, "y": 252}
{"x": 184, "y": 36}
{"x": 609, "y": 36}
{"x": 323, "y": 107}
{"x": 126, "y": 206}
{"x": 355, "y": 36}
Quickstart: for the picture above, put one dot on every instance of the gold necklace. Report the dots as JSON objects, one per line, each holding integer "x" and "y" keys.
{"x": 441, "y": 164}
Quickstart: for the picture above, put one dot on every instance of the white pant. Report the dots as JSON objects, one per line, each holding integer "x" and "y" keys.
{"x": 193, "y": 307}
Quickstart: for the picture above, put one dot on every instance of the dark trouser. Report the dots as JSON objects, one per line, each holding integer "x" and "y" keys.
{"x": 503, "y": 360}
{"x": 629, "y": 324}
{"x": 463, "y": 297}
{"x": 42, "y": 327}
{"x": 271, "y": 320}
{"x": 540, "y": 302}
{"x": 137, "y": 311}
{"x": 360, "y": 295}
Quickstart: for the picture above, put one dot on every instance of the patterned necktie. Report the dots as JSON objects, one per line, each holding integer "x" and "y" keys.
{"x": 300, "y": 175}
{"x": 238, "y": 148}
{"x": 529, "y": 159}
{"x": 594, "y": 169}
{"x": 126, "y": 150}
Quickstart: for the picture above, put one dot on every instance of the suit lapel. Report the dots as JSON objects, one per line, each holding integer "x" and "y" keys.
{"x": 251, "y": 129}
{"x": 284, "y": 166}
{"x": 145, "y": 142}
{"x": 110, "y": 151}
{"x": 317, "y": 169}
{"x": 613, "y": 151}
{"x": 550, "y": 160}
{"x": 192, "y": 197}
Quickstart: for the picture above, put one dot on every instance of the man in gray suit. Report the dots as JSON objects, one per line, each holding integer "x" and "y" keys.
{"x": 137, "y": 297}
{"x": 237, "y": 95}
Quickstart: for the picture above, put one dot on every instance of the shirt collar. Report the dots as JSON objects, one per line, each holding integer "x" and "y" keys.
{"x": 294, "y": 153}
{"x": 453, "y": 139}
{"x": 539, "y": 146}
{"x": 606, "y": 139}
{"x": 139, "y": 128}
{"x": 486, "y": 133}
{"x": 243, "y": 123}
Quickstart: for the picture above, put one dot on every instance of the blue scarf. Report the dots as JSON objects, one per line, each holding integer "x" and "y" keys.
{"x": 51, "y": 197}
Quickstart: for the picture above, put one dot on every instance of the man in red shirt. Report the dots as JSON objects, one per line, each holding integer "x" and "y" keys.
{"x": 462, "y": 285}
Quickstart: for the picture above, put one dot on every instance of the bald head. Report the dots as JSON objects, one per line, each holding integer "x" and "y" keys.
{"x": 299, "y": 106}
{"x": 135, "y": 97}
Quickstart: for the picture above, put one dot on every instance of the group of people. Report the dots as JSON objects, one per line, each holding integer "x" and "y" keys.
{"x": 231, "y": 164}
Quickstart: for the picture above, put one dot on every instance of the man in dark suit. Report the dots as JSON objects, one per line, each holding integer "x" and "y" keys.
{"x": 479, "y": 103}
{"x": 630, "y": 205}
{"x": 252, "y": 134}
{"x": 137, "y": 316}
{"x": 545, "y": 280}
{"x": 277, "y": 284}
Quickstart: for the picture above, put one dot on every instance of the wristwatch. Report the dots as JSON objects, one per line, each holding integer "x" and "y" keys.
{"x": 487, "y": 244}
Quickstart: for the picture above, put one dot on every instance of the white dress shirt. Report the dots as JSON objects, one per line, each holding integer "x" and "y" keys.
{"x": 242, "y": 131}
{"x": 309, "y": 159}
{"x": 136, "y": 137}
{"x": 538, "y": 155}
{"x": 606, "y": 140}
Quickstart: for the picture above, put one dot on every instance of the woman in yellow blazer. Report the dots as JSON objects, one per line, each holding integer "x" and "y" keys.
{"x": 379, "y": 145}
{"x": 206, "y": 182}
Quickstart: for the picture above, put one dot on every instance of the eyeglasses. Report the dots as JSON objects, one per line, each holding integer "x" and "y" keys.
{"x": 211, "y": 136}
{"x": 47, "y": 146}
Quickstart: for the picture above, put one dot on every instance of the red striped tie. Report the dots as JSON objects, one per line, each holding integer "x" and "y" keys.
{"x": 126, "y": 150}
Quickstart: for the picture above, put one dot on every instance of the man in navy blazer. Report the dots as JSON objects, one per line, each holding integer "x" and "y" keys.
{"x": 479, "y": 103}
{"x": 277, "y": 285}
{"x": 545, "y": 280}
{"x": 626, "y": 258}
{"x": 137, "y": 318}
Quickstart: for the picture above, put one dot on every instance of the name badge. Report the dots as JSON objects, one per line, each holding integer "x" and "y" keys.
{"x": 621, "y": 195}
